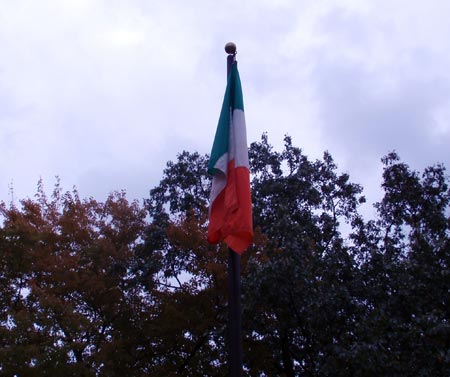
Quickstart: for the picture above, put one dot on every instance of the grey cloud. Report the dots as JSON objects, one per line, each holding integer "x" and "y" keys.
{"x": 101, "y": 93}
{"x": 370, "y": 113}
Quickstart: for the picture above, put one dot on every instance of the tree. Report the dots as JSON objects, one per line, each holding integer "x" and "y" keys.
{"x": 192, "y": 272}
{"x": 302, "y": 297}
{"x": 94, "y": 288}
{"x": 298, "y": 252}
{"x": 69, "y": 302}
{"x": 317, "y": 302}
{"x": 405, "y": 330}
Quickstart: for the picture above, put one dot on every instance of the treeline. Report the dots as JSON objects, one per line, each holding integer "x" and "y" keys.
{"x": 119, "y": 288}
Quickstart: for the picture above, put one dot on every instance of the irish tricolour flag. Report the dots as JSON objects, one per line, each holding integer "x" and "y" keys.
{"x": 230, "y": 216}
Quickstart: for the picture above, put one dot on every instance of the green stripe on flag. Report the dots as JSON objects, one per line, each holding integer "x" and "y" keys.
{"x": 232, "y": 100}
{"x": 236, "y": 100}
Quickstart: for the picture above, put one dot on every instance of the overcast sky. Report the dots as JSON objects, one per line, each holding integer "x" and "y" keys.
{"x": 104, "y": 92}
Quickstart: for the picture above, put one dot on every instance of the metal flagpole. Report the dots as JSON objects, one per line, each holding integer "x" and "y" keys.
{"x": 234, "y": 282}
{"x": 234, "y": 314}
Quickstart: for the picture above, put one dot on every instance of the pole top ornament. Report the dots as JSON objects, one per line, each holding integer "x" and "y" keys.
{"x": 230, "y": 48}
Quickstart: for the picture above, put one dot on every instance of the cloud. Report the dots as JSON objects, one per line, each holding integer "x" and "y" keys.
{"x": 103, "y": 93}
{"x": 380, "y": 89}
{"x": 93, "y": 86}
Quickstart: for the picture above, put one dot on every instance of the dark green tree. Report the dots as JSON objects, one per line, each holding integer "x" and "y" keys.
{"x": 406, "y": 330}
{"x": 192, "y": 273}
{"x": 301, "y": 302}
{"x": 298, "y": 277}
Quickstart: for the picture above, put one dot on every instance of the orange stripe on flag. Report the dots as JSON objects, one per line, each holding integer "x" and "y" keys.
{"x": 231, "y": 213}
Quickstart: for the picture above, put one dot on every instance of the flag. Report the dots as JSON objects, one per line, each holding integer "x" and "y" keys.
{"x": 230, "y": 213}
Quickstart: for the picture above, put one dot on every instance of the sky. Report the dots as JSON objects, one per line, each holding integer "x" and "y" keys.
{"x": 102, "y": 93}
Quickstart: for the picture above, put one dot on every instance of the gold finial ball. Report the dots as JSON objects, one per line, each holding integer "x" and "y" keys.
{"x": 230, "y": 48}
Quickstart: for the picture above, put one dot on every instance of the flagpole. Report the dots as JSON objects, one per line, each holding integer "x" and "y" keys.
{"x": 234, "y": 281}
{"x": 234, "y": 314}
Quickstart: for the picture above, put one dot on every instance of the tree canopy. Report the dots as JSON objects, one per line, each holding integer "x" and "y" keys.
{"x": 120, "y": 288}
